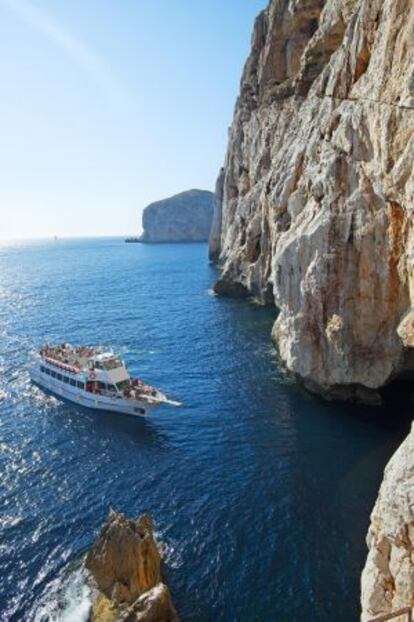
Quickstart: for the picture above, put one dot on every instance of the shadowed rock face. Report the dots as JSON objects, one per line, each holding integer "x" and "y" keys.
{"x": 185, "y": 217}
{"x": 126, "y": 568}
{"x": 215, "y": 231}
{"x": 388, "y": 578}
{"x": 316, "y": 197}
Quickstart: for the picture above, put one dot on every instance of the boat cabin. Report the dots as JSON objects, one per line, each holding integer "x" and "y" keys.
{"x": 108, "y": 368}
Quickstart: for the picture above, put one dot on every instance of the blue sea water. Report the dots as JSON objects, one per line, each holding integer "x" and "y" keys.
{"x": 261, "y": 493}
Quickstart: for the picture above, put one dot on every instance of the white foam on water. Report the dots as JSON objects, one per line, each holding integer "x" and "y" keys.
{"x": 169, "y": 551}
{"x": 79, "y": 607}
{"x": 69, "y": 601}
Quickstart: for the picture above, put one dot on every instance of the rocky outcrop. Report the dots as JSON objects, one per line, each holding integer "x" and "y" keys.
{"x": 125, "y": 565}
{"x": 387, "y": 583}
{"x": 318, "y": 189}
{"x": 185, "y": 217}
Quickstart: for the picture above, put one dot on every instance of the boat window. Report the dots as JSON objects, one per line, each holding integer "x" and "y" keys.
{"x": 98, "y": 365}
{"x": 122, "y": 385}
{"x": 59, "y": 377}
{"x": 53, "y": 373}
{"x": 111, "y": 387}
{"x": 42, "y": 369}
{"x": 73, "y": 382}
{"x": 114, "y": 363}
{"x": 80, "y": 385}
{"x": 47, "y": 371}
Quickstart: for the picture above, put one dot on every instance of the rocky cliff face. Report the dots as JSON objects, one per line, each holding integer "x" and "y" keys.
{"x": 317, "y": 191}
{"x": 185, "y": 217}
{"x": 388, "y": 578}
{"x": 126, "y": 569}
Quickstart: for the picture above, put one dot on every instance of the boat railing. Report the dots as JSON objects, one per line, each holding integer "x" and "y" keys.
{"x": 104, "y": 392}
{"x": 405, "y": 611}
{"x": 65, "y": 366}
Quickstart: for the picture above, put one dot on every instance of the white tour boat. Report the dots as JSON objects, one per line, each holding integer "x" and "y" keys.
{"x": 95, "y": 378}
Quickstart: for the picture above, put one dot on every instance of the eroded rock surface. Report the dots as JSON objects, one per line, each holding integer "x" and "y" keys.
{"x": 184, "y": 217}
{"x": 317, "y": 191}
{"x": 125, "y": 565}
{"x": 388, "y": 578}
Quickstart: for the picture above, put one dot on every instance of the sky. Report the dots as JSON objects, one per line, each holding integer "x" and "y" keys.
{"x": 108, "y": 105}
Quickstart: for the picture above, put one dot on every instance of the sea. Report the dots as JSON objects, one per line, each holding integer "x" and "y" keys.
{"x": 261, "y": 493}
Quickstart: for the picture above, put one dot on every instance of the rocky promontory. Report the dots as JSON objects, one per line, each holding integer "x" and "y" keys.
{"x": 315, "y": 201}
{"x": 184, "y": 217}
{"x": 125, "y": 568}
{"x": 388, "y": 578}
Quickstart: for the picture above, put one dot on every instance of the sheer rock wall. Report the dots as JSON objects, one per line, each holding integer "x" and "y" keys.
{"x": 318, "y": 186}
{"x": 388, "y": 578}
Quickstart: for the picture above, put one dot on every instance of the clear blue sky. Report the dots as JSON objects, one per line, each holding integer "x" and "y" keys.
{"x": 108, "y": 105}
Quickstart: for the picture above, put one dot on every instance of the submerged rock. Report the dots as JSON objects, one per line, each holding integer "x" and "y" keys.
{"x": 316, "y": 198}
{"x": 125, "y": 565}
{"x": 387, "y": 582}
{"x": 185, "y": 217}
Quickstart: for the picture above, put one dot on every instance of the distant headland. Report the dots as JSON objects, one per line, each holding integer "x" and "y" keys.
{"x": 184, "y": 217}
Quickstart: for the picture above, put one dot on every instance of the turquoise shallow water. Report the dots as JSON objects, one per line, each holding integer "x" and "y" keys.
{"x": 261, "y": 492}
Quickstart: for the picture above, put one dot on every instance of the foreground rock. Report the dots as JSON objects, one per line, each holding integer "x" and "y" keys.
{"x": 126, "y": 569}
{"x": 316, "y": 198}
{"x": 185, "y": 217}
{"x": 388, "y": 578}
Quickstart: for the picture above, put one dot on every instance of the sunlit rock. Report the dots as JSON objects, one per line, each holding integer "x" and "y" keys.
{"x": 317, "y": 192}
{"x": 125, "y": 565}
{"x": 184, "y": 217}
{"x": 387, "y": 583}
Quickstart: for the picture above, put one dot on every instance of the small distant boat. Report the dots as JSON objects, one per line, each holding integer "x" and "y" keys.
{"x": 132, "y": 240}
{"x": 95, "y": 378}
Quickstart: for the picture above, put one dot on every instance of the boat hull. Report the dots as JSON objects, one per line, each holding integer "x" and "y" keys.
{"x": 92, "y": 401}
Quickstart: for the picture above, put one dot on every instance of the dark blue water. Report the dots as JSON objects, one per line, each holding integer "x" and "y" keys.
{"x": 261, "y": 493}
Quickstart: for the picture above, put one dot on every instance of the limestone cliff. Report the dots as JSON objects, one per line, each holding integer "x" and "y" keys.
{"x": 388, "y": 578}
{"x": 317, "y": 191}
{"x": 125, "y": 566}
{"x": 184, "y": 217}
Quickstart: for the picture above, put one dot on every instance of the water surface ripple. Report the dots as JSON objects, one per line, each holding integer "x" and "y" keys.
{"x": 261, "y": 493}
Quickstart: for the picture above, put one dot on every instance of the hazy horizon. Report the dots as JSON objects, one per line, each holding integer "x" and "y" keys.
{"x": 109, "y": 107}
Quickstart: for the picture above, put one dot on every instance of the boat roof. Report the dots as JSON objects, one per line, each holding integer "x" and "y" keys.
{"x": 103, "y": 356}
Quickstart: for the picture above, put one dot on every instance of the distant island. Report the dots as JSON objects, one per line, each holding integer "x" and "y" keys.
{"x": 184, "y": 217}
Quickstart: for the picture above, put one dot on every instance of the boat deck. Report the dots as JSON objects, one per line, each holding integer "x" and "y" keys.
{"x": 75, "y": 356}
